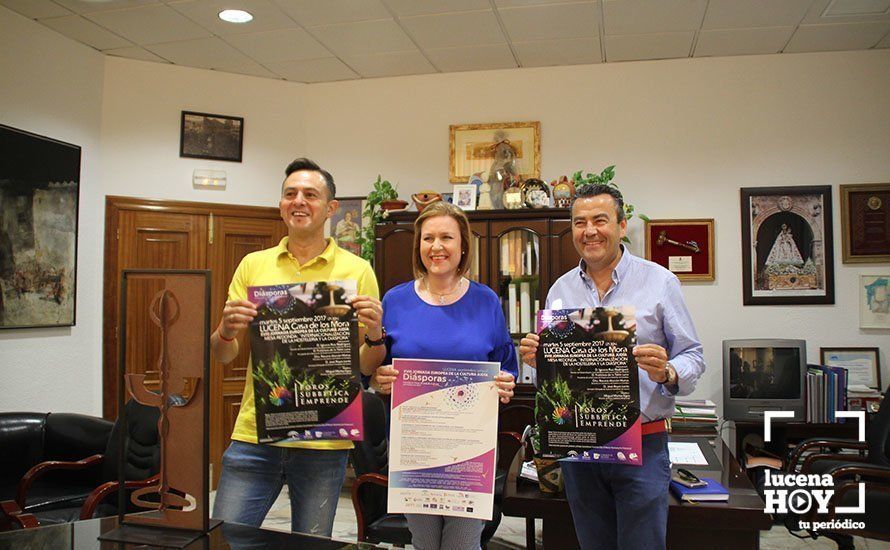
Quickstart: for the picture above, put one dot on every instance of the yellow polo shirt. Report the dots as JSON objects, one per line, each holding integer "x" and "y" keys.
{"x": 277, "y": 266}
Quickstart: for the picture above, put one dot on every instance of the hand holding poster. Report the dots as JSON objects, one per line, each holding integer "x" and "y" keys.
{"x": 443, "y": 436}
{"x": 588, "y": 400}
{"x": 304, "y": 348}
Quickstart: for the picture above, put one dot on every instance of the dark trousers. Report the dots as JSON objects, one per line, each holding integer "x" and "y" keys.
{"x": 616, "y": 506}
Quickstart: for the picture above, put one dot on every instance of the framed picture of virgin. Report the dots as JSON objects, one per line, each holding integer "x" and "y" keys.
{"x": 787, "y": 253}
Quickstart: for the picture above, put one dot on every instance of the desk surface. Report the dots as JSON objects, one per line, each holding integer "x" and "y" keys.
{"x": 744, "y": 509}
{"x": 83, "y": 535}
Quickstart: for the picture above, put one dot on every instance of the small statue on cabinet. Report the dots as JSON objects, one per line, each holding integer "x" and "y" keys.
{"x": 503, "y": 168}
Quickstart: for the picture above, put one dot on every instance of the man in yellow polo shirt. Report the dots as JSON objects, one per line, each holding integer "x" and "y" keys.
{"x": 253, "y": 474}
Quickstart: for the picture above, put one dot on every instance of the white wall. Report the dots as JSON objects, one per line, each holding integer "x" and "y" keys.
{"x": 685, "y": 136}
{"x": 51, "y": 86}
{"x": 141, "y": 122}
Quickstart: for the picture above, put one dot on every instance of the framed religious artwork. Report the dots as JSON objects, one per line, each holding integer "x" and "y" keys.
{"x": 347, "y": 224}
{"x": 685, "y": 247}
{"x": 500, "y": 150}
{"x": 787, "y": 252}
{"x": 865, "y": 223}
{"x": 874, "y": 301}
{"x": 213, "y": 137}
{"x": 39, "y": 197}
{"x": 863, "y": 364}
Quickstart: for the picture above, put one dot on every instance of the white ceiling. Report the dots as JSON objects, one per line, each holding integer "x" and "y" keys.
{"x": 327, "y": 40}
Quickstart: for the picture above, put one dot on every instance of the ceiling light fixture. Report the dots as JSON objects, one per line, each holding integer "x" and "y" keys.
{"x": 235, "y": 16}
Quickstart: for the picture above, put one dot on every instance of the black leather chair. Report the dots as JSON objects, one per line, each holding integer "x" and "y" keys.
{"x": 370, "y": 459}
{"x": 60, "y": 467}
{"x": 870, "y": 464}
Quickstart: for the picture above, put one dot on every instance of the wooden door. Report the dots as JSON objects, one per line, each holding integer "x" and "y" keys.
{"x": 144, "y": 240}
{"x": 153, "y": 234}
{"x": 232, "y": 239}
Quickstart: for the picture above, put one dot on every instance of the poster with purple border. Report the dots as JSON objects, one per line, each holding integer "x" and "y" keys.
{"x": 443, "y": 436}
{"x": 588, "y": 402}
{"x": 304, "y": 350}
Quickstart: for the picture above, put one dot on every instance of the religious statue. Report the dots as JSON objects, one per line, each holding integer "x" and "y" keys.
{"x": 503, "y": 168}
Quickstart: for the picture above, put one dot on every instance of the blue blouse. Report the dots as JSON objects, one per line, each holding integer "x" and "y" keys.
{"x": 470, "y": 329}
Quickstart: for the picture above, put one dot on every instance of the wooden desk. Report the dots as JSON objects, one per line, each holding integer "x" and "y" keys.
{"x": 736, "y": 524}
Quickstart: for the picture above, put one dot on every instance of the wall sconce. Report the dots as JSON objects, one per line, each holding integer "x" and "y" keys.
{"x": 209, "y": 179}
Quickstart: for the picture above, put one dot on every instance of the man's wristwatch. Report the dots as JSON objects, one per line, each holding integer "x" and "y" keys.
{"x": 671, "y": 375}
{"x": 379, "y": 342}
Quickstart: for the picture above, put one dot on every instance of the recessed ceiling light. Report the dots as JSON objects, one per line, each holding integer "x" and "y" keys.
{"x": 235, "y": 16}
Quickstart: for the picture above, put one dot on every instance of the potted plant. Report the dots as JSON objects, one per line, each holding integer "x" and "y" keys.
{"x": 382, "y": 198}
{"x": 605, "y": 178}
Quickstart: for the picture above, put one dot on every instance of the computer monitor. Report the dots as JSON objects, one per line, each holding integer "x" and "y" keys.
{"x": 763, "y": 375}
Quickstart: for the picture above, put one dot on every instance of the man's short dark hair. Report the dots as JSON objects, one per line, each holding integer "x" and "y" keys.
{"x": 589, "y": 191}
{"x": 303, "y": 163}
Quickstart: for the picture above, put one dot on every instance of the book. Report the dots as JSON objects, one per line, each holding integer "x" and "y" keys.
{"x": 714, "y": 492}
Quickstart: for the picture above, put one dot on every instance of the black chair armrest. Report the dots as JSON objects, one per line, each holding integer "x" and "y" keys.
{"x": 107, "y": 489}
{"x": 871, "y": 471}
{"x": 820, "y": 442}
{"x": 364, "y": 479}
{"x": 808, "y": 461}
{"x": 39, "y": 470}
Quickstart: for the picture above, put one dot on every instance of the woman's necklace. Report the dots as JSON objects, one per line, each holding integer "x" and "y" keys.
{"x": 442, "y": 296}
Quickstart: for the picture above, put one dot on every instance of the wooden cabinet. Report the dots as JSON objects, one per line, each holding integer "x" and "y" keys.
{"x": 523, "y": 249}
{"x": 154, "y": 234}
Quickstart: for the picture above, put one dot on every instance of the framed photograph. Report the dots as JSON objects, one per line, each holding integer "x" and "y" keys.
{"x": 863, "y": 364}
{"x": 464, "y": 196}
{"x": 874, "y": 301}
{"x": 214, "y": 137}
{"x": 685, "y": 247}
{"x": 865, "y": 223}
{"x": 787, "y": 252}
{"x": 39, "y": 196}
{"x": 512, "y": 148}
{"x": 347, "y": 223}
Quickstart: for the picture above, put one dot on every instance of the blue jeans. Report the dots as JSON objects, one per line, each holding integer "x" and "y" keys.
{"x": 253, "y": 475}
{"x": 615, "y": 506}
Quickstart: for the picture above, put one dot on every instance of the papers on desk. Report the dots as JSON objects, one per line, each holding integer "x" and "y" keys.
{"x": 683, "y": 452}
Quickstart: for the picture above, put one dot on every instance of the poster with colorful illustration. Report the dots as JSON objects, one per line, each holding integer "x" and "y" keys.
{"x": 588, "y": 402}
{"x": 304, "y": 349}
{"x": 443, "y": 435}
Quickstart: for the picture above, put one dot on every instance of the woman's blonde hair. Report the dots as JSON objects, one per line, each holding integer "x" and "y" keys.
{"x": 442, "y": 208}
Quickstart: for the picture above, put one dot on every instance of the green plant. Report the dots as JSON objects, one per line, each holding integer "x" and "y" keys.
{"x": 605, "y": 178}
{"x": 374, "y": 213}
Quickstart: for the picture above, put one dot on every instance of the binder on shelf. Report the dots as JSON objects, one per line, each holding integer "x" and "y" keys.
{"x": 525, "y": 307}
{"x": 512, "y": 308}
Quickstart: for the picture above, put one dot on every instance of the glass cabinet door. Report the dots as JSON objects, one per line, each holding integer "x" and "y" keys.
{"x": 518, "y": 275}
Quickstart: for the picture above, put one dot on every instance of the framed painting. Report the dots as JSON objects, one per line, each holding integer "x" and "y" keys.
{"x": 787, "y": 255}
{"x": 863, "y": 364}
{"x": 505, "y": 148}
{"x": 347, "y": 224}
{"x": 39, "y": 196}
{"x": 865, "y": 223}
{"x": 874, "y": 301}
{"x": 685, "y": 247}
{"x": 214, "y": 137}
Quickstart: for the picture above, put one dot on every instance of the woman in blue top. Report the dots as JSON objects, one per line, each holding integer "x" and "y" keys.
{"x": 443, "y": 315}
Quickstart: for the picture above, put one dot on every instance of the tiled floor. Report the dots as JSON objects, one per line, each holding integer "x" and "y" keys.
{"x": 511, "y": 532}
